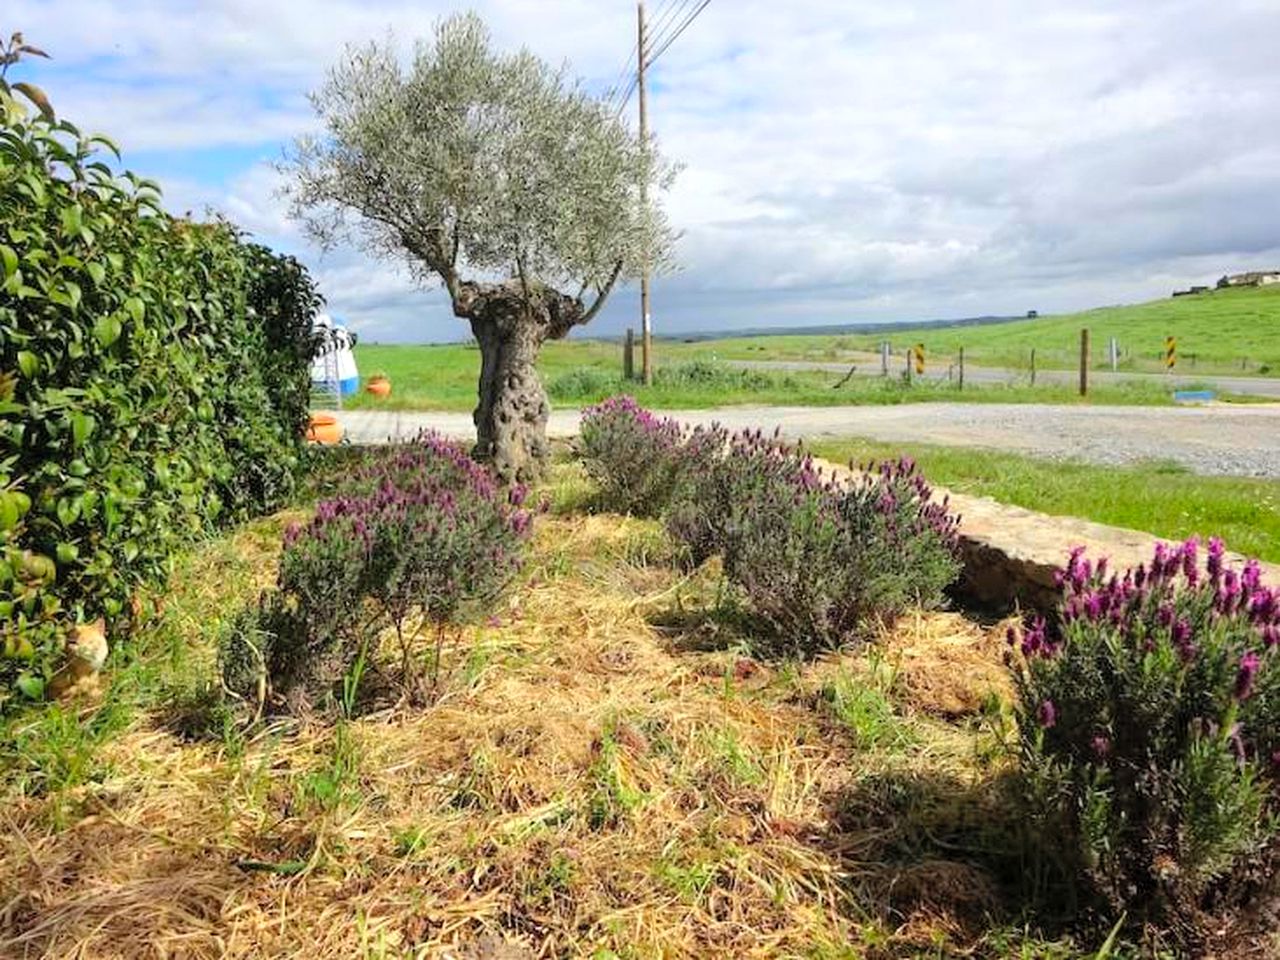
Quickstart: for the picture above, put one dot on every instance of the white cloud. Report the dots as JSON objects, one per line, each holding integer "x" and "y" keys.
{"x": 843, "y": 161}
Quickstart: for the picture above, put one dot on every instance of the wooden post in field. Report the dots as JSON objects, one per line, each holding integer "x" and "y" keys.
{"x": 1033, "y": 366}
{"x": 962, "y": 368}
{"x": 629, "y": 356}
{"x": 1084, "y": 362}
{"x": 884, "y": 357}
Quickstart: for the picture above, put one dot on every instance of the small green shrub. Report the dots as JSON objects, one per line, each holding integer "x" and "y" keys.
{"x": 711, "y": 374}
{"x": 1149, "y": 721}
{"x": 584, "y": 383}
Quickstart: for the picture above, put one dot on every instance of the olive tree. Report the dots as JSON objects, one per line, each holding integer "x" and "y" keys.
{"x": 497, "y": 176}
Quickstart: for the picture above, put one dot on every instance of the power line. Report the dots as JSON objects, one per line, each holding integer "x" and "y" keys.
{"x": 626, "y": 97}
{"x": 624, "y": 79}
{"x": 663, "y": 16}
{"x": 683, "y": 27}
{"x": 655, "y": 48}
{"x": 663, "y": 22}
{"x": 628, "y": 70}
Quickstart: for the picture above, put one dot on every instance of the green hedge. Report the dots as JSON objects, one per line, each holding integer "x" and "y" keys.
{"x": 154, "y": 376}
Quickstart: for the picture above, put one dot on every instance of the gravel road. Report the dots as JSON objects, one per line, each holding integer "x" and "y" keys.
{"x": 1213, "y": 439}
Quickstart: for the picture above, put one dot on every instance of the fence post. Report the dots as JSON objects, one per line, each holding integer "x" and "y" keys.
{"x": 1114, "y": 350}
{"x": 962, "y": 368}
{"x": 1084, "y": 362}
{"x": 884, "y": 358}
{"x": 1033, "y": 366}
{"x": 629, "y": 356}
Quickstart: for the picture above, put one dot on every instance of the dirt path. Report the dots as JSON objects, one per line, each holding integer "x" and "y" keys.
{"x": 1216, "y": 439}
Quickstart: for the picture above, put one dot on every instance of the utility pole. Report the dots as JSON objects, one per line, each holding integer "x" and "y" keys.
{"x": 646, "y": 336}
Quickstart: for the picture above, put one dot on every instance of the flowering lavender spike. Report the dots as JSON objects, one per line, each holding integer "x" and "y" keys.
{"x": 1047, "y": 714}
{"x": 1246, "y": 674}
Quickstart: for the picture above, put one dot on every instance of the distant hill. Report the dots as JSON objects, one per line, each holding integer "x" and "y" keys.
{"x": 836, "y": 329}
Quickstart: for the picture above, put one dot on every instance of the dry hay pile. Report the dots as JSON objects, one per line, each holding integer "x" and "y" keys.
{"x": 586, "y": 783}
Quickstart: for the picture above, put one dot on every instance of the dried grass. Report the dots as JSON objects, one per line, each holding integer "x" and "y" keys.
{"x": 584, "y": 783}
{"x": 948, "y": 666}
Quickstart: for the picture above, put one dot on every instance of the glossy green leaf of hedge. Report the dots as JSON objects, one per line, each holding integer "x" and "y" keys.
{"x": 130, "y": 445}
{"x": 106, "y": 330}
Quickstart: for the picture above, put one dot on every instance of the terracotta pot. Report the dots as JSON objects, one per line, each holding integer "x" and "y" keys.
{"x": 379, "y": 387}
{"x": 324, "y": 428}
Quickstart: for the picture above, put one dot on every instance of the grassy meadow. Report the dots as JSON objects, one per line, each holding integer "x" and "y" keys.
{"x": 1222, "y": 331}
{"x": 580, "y": 372}
{"x": 1161, "y": 498}
{"x": 1216, "y": 332}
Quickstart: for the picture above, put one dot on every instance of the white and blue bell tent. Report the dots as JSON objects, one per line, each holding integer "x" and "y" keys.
{"x": 333, "y": 370}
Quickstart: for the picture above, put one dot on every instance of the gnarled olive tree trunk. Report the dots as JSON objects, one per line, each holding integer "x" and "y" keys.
{"x": 510, "y": 327}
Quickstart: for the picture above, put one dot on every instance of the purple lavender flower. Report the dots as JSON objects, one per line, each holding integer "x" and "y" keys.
{"x": 1251, "y": 576}
{"x": 1214, "y": 563}
{"x": 1245, "y": 676}
{"x": 1093, "y": 606}
{"x": 1035, "y": 640}
{"x": 1047, "y": 714}
{"x": 1190, "y": 562}
{"x": 1181, "y": 636}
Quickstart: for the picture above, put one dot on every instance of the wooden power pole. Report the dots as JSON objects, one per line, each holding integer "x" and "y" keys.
{"x": 646, "y": 336}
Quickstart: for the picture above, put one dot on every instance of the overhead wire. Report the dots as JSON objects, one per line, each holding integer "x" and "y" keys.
{"x": 667, "y": 29}
{"x": 662, "y": 21}
{"x": 682, "y": 28}
{"x": 624, "y": 76}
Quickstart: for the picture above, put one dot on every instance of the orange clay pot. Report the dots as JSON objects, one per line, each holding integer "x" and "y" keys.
{"x": 379, "y": 387}
{"x": 324, "y": 428}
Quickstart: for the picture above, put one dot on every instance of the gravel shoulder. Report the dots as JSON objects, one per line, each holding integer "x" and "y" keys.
{"x": 1216, "y": 439}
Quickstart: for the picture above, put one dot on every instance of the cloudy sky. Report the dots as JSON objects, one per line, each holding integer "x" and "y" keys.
{"x": 844, "y": 161}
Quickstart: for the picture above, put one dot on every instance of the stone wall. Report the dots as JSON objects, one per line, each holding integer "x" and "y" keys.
{"x": 1010, "y": 553}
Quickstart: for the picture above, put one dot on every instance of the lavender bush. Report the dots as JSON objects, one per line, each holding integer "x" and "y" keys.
{"x": 822, "y": 561}
{"x": 703, "y": 508}
{"x": 1149, "y": 720}
{"x": 419, "y": 531}
{"x": 631, "y": 454}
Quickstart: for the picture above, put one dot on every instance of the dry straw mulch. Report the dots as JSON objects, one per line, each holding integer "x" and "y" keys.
{"x": 590, "y": 780}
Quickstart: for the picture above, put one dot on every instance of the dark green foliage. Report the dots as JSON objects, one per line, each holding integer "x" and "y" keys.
{"x": 1150, "y": 730}
{"x": 153, "y": 381}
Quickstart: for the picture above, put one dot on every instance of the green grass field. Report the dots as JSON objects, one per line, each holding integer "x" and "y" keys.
{"x": 1216, "y": 331}
{"x": 1160, "y": 498}
{"x": 581, "y": 372}
{"x": 1223, "y": 331}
